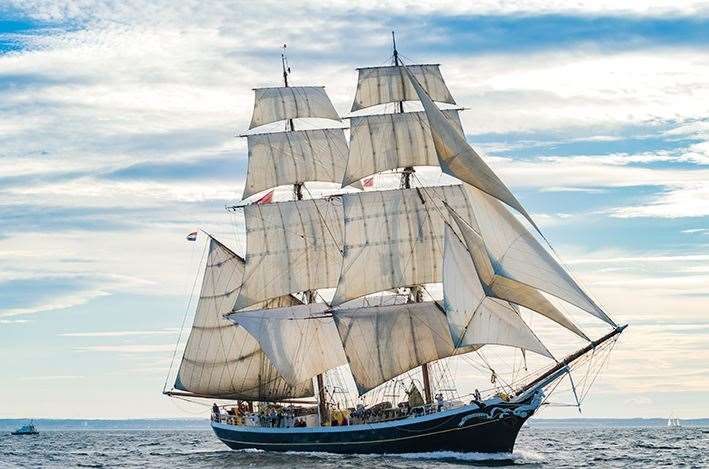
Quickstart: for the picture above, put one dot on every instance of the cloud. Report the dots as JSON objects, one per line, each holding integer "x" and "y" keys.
{"x": 119, "y": 333}
{"x": 128, "y": 348}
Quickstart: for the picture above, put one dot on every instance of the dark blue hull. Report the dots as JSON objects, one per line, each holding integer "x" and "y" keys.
{"x": 465, "y": 429}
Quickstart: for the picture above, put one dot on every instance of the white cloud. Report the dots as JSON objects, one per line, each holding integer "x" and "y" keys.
{"x": 119, "y": 333}
{"x": 128, "y": 348}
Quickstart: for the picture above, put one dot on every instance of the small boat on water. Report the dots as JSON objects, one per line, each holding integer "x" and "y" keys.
{"x": 28, "y": 429}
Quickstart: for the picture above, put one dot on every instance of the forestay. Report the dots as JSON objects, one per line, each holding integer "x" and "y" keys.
{"x": 284, "y": 158}
{"x": 457, "y": 158}
{"x": 380, "y": 85}
{"x": 291, "y": 102}
{"x": 301, "y": 341}
{"x": 499, "y": 286}
{"x": 290, "y": 247}
{"x": 387, "y": 141}
{"x": 221, "y": 359}
{"x": 382, "y": 342}
{"x": 517, "y": 255}
{"x": 394, "y": 238}
{"x": 474, "y": 318}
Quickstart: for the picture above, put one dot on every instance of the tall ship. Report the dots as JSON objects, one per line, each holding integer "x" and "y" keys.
{"x": 361, "y": 316}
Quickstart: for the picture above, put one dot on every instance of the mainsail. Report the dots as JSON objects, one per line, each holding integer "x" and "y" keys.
{"x": 224, "y": 361}
{"x": 382, "y": 342}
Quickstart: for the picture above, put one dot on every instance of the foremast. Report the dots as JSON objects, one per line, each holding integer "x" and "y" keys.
{"x": 309, "y": 296}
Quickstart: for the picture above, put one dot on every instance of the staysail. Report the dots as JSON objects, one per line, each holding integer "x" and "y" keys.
{"x": 497, "y": 285}
{"x": 294, "y": 157}
{"x": 223, "y": 360}
{"x": 383, "y": 142}
{"x": 474, "y": 317}
{"x": 457, "y": 158}
{"x": 517, "y": 255}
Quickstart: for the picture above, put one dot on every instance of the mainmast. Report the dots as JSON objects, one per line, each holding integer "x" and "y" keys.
{"x": 408, "y": 170}
{"x": 308, "y": 295}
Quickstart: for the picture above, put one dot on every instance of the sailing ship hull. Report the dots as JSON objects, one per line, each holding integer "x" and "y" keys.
{"x": 465, "y": 429}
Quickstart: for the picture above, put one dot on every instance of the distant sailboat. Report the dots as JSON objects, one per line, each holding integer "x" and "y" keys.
{"x": 673, "y": 421}
{"x": 333, "y": 290}
{"x": 28, "y": 429}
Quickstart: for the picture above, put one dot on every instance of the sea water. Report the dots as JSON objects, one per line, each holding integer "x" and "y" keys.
{"x": 545, "y": 446}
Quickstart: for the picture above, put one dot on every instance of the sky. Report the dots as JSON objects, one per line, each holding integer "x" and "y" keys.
{"x": 119, "y": 124}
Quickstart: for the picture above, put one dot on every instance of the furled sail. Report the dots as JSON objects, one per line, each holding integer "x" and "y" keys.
{"x": 283, "y": 158}
{"x": 382, "y": 342}
{"x": 499, "y": 286}
{"x": 300, "y": 341}
{"x": 394, "y": 238}
{"x": 457, "y": 158}
{"x": 291, "y": 102}
{"x": 224, "y": 360}
{"x": 382, "y": 142}
{"x": 518, "y": 256}
{"x": 380, "y": 85}
{"x": 474, "y": 317}
{"x": 290, "y": 247}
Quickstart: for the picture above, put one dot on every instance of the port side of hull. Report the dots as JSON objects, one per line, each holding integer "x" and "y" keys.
{"x": 465, "y": 429}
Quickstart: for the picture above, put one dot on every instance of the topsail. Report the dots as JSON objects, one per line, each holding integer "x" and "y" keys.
{"x": 291, "y": 102}
{"x": 381, "y": 85}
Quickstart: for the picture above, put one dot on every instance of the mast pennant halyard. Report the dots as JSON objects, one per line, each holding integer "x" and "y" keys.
{"x": 298, "y": 306}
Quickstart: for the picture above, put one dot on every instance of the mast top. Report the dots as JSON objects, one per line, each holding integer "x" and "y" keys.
{"x": 396, "y": 52}
{"x": 286, "y": 67}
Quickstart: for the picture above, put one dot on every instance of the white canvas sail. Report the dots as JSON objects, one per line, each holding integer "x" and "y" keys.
{"x": 291, "y": 102}
{"x": 283, "y": 158}
{"x": 499, "y": 286}
{"x": 300, "y": 341}
{"x": 457, "y": 158}
{"x": 382, "y": 342}
{"x": 224, "y": 360}
{"x": 290, "y": 247}
{"x": 394, "y": 238}
{"x": 387, "y": 141}
{"x": 380, "y": 85}
{"x": 475, "y": 318}
{"x": 517, "y": 255}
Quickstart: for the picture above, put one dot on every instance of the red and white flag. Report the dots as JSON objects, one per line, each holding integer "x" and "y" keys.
{"x": 192, "y": 236}
{"x": 266, "y": 199}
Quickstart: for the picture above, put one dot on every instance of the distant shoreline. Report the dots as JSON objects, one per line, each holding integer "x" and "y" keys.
{"x": 158, "y": 424}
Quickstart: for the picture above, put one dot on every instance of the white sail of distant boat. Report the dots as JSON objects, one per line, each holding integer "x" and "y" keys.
{"x": 375, "y": 289}
{"x": 673, "y": 421}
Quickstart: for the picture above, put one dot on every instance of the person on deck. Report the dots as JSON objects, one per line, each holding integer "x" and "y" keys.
{"x": 439, "y": 402}
{"x": 215, "y": 412}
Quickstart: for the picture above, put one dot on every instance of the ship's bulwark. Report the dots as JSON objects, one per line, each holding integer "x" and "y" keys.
{"x": 467, "y": 431}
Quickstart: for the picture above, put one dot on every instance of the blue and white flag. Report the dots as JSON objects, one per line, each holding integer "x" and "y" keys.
{"x": 192, "y": 236}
